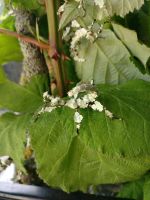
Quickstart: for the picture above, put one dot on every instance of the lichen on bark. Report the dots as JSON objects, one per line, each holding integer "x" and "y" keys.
{"x": 33, "y": 62}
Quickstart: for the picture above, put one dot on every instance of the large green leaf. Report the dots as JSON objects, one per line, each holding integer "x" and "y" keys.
{"x": 107, "y": 60}
{"x": 13, "y": 136}
{"x": 143, "y": 23}
{"x": 39, "y": 84}
{"x": 18, "y": 98}
{"x": 23, "y": 99}
{"x": 129, "y": 38}
{"x": 122, "y": 7}
{"x": 90, "y": 12}
{"x": 104, "y": 150}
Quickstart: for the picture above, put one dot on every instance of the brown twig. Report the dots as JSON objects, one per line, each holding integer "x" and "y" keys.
{"x": 24, "y": 38}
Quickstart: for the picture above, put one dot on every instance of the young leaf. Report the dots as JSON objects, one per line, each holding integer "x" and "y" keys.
{"x": 12, "y": 136}
{"x": 71, "y": 12}
{"x": 107, "y": 60}
{"x": 85, "y": 16}
{"x": 104, "y": 150}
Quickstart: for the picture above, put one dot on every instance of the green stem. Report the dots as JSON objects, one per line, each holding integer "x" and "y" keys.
{"x": 54, "y": 41}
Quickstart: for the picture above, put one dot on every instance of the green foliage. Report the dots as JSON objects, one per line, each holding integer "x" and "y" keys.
{"x": 139, "y": 21}
{"x": 32, "y": 5}
{"x": 8, "y": 23}
{"x": 104, "y": 150}
{"x": 13, "y": 136}
{"x": 2, "y": 75}
{"x": 25, "y": 99}
{"x": 107, "y": 60}
{"x": 9, "y": 46}
{"x": 91, "y": 11}
{"x": 122, "y": 7}
{"x": 71, "y": 12}
{"x": 129, "y": 38}
{"x": 13, "y": 127}
{"x": 146, "y": 189}
{"x": 137, "y": 190}
{"x": 9, "y": 49}
{"x": 19, "y": 98}
{"x": 38, "y": 84}
{"x": 132, "y": 190}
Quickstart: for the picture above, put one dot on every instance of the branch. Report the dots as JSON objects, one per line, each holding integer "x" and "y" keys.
{"x": 27, "y": 39}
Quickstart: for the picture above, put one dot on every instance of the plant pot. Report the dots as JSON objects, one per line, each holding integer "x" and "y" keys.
{"x": 13, "y": 191}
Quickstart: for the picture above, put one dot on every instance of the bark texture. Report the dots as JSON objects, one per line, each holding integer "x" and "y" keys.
{"x": 34, "y": 62}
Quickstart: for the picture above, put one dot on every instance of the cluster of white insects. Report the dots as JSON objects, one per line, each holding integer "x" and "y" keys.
{"x": 75, "y": 32}
{"x": 82, "y": 96}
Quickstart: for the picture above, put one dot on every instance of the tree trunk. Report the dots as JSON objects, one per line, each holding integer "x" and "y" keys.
{"x": 34, "y": 62}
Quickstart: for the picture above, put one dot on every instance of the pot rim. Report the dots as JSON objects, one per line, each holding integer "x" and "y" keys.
{"x": 16, "y": 191}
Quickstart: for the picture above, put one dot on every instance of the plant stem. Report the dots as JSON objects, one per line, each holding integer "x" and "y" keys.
{"x": 27, "y": 39}
{"x": 60, "y": 46}
{"x": 53, "y": 39}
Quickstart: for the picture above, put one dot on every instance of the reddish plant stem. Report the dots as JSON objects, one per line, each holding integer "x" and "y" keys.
{"x": 27, "y": 39}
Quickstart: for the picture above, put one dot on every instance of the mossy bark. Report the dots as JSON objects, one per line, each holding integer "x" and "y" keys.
{"x": 33, "y": 62}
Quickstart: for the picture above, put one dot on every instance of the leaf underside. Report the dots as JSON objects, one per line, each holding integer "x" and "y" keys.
{"x": 122, "y": 7}
{"x": 113, "y": 7}
{"x": 130, "y": 39}
{"x": 107, "y": 60}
